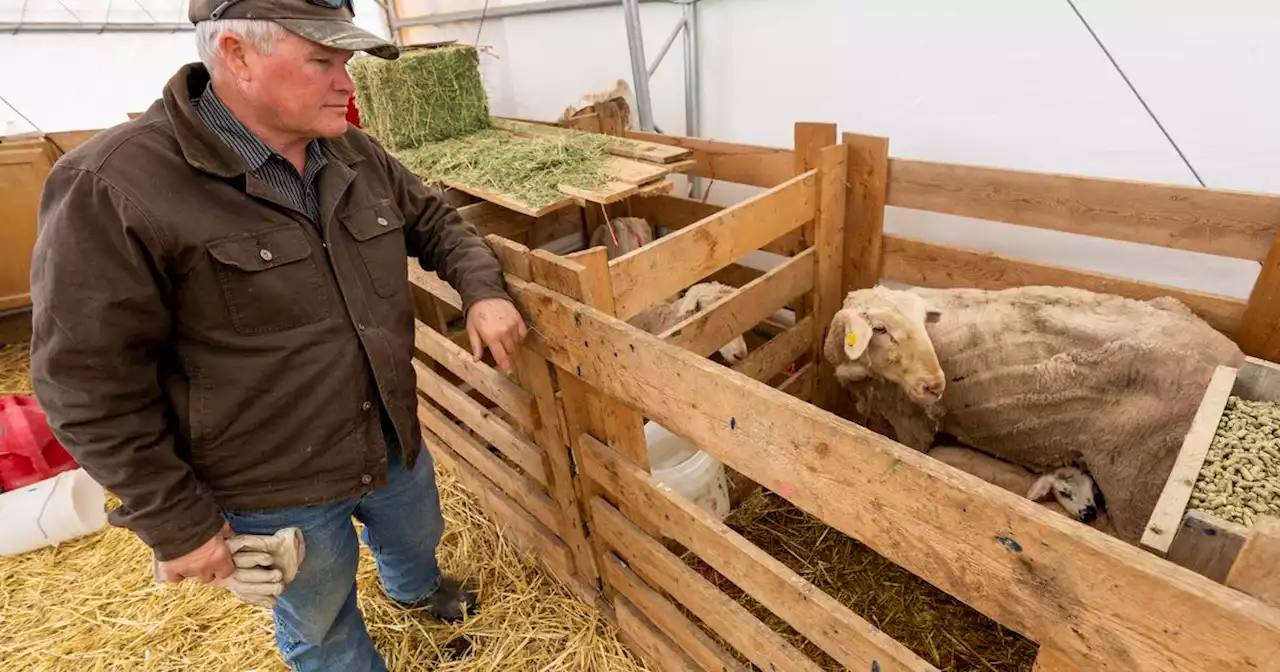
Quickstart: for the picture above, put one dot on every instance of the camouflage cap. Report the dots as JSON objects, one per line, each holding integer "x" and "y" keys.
{"x": 326, "y": 22}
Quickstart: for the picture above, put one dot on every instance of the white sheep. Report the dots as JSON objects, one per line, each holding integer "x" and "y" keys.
{"x": 1039, "y": 376}
{"x": 1074, "y": 494}
{"x": 631, "y": 233}
{"x": 664, "y": 315}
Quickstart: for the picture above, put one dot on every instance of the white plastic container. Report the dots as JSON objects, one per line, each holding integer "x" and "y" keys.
{"x": 695, "y": 474}
{"x": 65, "y": 507}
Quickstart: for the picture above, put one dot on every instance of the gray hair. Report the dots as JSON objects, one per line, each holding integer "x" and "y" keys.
{"x": 261, "y": 34}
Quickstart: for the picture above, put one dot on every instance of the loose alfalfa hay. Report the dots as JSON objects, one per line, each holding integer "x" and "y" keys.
{"x": 530, "y": 169}
{"x": 93, "y": 604}
{"x": 935, "y": 626}
{"x": 426, "y": 95}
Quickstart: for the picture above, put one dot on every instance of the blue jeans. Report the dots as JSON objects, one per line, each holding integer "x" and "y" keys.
{"x": 318, "y": 625}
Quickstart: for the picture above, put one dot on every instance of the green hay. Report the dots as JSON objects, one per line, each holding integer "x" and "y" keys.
{"x": 530, "y": 169}
{"x": 426, "y": 95}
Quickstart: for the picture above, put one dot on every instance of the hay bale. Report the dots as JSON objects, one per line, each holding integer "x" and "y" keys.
{"x": 425, "y": 95}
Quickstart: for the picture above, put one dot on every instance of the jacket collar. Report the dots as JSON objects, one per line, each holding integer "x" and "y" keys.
{"x": 200, "y": 146}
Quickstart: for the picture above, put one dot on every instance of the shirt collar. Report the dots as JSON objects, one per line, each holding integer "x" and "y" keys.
{"x": 249, "y": 147}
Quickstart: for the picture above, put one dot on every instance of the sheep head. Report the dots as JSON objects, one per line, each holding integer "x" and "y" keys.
{"x": 703, "y": 295}
{"x": 881, "y": 333}
{"x": 1074, "y": 489}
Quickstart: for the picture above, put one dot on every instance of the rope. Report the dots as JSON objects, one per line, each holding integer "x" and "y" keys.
{"x": 1135, "y": 93}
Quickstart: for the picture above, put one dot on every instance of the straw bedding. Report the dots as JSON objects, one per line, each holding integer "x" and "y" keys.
{"x": 93, "y": 605}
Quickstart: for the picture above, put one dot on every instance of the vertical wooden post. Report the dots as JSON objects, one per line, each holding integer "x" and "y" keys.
{"x": 868, "y": 184}
{"x": 586, "y": 279}
{"x": 829, "y": 255}
{"x": 810, "y": 138}
{"x": 535, "y": 376}
{"x": 1259, "y": 334}
{"x": 1257, "y": 569}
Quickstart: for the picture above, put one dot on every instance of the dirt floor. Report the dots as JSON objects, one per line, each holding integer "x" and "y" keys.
{"x": 93, "y": 605}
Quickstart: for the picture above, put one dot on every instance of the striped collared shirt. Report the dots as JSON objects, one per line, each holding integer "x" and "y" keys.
{"x": 262, "y": 161}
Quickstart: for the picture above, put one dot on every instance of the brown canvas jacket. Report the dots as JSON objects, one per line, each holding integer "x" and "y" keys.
{"x": 199, "y": 346}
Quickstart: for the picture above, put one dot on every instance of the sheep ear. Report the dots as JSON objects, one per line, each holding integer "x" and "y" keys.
{"x": 931, "y": 316}
{"x": 856, "y": 333}
{"x": 1041, "y": 488}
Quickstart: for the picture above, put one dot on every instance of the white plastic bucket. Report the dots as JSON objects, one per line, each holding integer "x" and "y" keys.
{"x": 695, "y": 474}
{"x": 65, "y": 507}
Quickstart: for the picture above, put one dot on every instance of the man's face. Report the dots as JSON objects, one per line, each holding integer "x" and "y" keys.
{"x": 301, "y": 88}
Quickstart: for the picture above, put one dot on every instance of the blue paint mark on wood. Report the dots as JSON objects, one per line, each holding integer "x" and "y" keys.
{"x": 1011, "y": 544}
{"x": 875, "y": 666}
{"x": 733, "y": 423}
{"x": 1209, "y": 531}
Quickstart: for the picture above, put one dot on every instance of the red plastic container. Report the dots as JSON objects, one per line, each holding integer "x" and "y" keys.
{"x": 353, "y": 112}
{"x": 29, "y": 453}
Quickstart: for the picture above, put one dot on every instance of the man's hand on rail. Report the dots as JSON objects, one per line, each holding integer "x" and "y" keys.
{"x": 210, "y": 561}
{"x": 496, "y": 324}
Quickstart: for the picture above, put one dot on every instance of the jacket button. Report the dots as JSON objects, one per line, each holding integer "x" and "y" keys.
{"x": 265, "y": 254}
{"x": 360, "y": 326}
{"x": 366, "y": 406}
{"x": 382, "y": 221}
{"x": 366, "y": 479}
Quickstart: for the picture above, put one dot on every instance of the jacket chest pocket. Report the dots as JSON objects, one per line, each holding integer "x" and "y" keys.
{"x": 270, "y": 281}
{"x": 379, "y": 235}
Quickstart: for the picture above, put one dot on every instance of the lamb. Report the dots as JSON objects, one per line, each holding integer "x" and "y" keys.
{"x": 632, "y": 233}
{"x": 662, "y": 316}
{"x": 1075, "y": 495}
{"x": 1042, "y": 377}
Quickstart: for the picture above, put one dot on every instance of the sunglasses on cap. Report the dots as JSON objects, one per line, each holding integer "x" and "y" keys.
{"x": 330, "y": 4}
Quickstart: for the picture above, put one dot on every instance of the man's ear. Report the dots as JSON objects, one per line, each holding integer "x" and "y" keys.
{"x": 1041, "y": 488}
{"x": 854, "y": 332}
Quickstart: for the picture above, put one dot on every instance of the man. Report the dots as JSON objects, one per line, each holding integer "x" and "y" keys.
{"x": 223, "y": 330}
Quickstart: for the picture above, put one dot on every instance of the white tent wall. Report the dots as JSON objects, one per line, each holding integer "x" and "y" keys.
{"x": 1010, "y": 83}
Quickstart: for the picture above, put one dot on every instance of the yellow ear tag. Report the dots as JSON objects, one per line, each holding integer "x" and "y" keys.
{"x": 850, "y": 339}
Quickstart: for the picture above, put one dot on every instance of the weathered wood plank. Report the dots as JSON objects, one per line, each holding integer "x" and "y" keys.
{"x": 650, "y": 274}
{"x": 773, "y": 357}
{"x": 928, "y": 265}
{"x": 800, "y": 383}
{"x": 489, "y": 381}
{"x": 864, "y": 217}
{"x": 642, "y": 637}
{"x": 828, "y": 242}
{"x": 1259, "y": 334}
{"x": 675, "y": 625}
{"x": 1080, "y": 591}
{"x": 729, "y": 317}
{"x": 848, "y": 638}
{"x": 520, "y": 489}
{"x": 732, "y": 162}
{"x": 1257, "y": 569}
{"x": 1227, "y": 223}
{"x": 1166, "y": 518}
{"x": 1207, "y": 545}
{"x": 481, "y": 420}
{"x": 672, "y": 212}
{"x": 514, "y": 522}
{"x": 731, "y": 621}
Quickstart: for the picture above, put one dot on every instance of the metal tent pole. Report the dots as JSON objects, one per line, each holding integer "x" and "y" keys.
{"x": 639, "y": 69}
